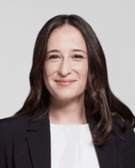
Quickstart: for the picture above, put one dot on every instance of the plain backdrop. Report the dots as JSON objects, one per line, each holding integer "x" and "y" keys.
{"x": 20, "y": 21}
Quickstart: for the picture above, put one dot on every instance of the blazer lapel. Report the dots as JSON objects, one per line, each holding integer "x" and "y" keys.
{"x": 38, "y": 137}
{"x": 107, "y": 154}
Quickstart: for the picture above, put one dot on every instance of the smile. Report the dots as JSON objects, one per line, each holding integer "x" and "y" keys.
{"x": 64, "y": 82}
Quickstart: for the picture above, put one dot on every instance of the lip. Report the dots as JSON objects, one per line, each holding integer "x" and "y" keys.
{"x": 64, "y": 82}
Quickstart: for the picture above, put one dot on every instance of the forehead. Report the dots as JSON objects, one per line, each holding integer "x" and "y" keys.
{"x": 66, "y": 35}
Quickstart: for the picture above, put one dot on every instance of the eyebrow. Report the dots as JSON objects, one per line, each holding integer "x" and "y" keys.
{"x": 76, "y": 50}
{"x": 79, "y": 50}
{"x": 52, "y": 51}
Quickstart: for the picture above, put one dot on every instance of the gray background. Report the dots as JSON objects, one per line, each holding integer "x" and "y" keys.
{"x": 21, "y": 20}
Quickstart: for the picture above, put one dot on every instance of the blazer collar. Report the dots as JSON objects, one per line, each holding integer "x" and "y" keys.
{"x": 39, "y": 143}
{"x": 38, "y": 138}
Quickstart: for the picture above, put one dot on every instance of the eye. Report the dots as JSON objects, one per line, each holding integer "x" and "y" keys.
{"x": 53, "y": 57}
{"x": 78, "y": 57}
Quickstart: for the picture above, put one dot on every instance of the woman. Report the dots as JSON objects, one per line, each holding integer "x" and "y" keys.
{"x": 70, "y": 118}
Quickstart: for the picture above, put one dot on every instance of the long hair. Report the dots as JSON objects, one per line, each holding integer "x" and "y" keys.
{"x": 102, "y": 107}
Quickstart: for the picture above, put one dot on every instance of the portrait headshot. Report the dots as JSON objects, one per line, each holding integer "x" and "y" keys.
{"x": 70, "y": 116}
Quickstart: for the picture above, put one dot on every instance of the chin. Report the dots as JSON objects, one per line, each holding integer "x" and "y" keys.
{"x": 68, "y": 96}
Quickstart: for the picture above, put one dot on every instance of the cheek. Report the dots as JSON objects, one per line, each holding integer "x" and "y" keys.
{"x": 83, "y": 70}
{"x": 49, "y": 74}
{"x": 84, "y": 75}
{"x": 48, "y": 71}
{"x": 46, "y": 74}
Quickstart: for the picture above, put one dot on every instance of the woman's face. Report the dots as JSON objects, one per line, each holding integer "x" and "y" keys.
{"x": 66, "y": 64}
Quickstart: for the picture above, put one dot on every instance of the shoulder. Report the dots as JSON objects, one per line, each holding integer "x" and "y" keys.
{"x": 125, "y": 144}
{"x": 123, "y": 130}
{"x": 124, "y": 133}
{"x": 128, "y": 136}
{"x": 125, "y": 139}
{"x": 14, "y": 124}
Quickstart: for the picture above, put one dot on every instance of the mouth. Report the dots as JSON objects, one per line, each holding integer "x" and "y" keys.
{"x": 64, "y": 82}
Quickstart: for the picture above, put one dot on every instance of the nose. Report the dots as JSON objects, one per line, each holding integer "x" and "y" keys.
{"x": 65, "y": 68}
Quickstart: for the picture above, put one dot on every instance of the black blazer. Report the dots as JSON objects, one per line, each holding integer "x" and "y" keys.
{"x": 25, "y": 143}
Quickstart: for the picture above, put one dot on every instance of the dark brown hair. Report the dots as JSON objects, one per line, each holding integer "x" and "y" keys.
{"x": 102, "y": 107}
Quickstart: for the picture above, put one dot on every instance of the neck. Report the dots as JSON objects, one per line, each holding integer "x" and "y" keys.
{"x": 67, "y": 112}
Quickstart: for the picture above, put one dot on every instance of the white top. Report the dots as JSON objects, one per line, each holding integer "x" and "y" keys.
{"x": 72, "y": 147}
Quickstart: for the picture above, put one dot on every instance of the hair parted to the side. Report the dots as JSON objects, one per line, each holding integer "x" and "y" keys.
{"x": 101, "y": 104}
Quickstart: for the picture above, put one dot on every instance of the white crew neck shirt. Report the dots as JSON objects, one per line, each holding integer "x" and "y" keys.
{"x": 72, "y": 147}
